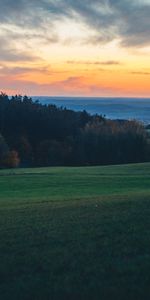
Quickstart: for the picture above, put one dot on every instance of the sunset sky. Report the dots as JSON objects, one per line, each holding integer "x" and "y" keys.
{"x": 75, "y": 47}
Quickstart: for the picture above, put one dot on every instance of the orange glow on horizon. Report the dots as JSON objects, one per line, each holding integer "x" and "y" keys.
{"x": 109, "y": 71}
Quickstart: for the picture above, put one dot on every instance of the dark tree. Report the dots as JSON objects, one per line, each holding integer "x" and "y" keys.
{"x": 43, "y": 135}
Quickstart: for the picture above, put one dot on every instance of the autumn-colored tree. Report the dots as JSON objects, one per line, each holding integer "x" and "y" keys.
{"x": 12, "y": 159}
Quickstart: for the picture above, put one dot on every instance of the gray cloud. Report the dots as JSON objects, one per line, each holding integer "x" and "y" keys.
{"x": 126, "y": 20}
{"x": 103, "y": 63}
{"x": 8, "y": 52}
{"x": 140, "y": 73}
{"x": 14, "y": 71}
{"x": 21, "y": 71}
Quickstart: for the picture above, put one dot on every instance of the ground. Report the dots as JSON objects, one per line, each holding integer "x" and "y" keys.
{"x": 75, "y": 233}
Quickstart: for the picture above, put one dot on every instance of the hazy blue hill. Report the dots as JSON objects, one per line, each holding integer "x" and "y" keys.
{"x": 114, "y": 108}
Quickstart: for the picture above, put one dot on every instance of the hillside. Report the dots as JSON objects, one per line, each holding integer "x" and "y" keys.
{"x": 75, "y": 233}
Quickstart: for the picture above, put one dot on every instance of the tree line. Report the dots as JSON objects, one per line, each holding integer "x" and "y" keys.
{"x": 33, "y": 134}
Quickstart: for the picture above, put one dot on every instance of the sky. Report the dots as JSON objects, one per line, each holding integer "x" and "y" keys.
{"x": 98, "y": 48}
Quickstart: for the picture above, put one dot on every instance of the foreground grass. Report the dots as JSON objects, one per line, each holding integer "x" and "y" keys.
{"x": 75, "y": 233}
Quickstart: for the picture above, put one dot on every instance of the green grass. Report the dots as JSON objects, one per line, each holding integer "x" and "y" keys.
{"x": 75, "y": 233}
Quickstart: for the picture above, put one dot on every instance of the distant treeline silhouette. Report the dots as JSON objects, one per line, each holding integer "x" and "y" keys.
{"x": 32, "y": 134}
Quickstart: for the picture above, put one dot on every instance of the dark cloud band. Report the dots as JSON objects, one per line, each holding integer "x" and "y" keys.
{"x": 126, "y": 20}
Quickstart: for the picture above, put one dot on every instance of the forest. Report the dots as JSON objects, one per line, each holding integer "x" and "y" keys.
{"x": 34, "y": 135}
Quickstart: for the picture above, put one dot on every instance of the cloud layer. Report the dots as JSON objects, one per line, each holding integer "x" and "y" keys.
{"x": 36, "y": 33}
{"x": 126, "y": 20}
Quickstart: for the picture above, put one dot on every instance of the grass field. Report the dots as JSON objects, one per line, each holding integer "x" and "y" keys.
{"x": 75, "y": 233}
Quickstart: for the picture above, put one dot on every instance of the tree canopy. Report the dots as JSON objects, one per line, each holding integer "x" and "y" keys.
{"x": 33, "y": 134}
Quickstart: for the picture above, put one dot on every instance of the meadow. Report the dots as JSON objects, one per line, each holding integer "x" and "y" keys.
{"x": 75, "y": 233}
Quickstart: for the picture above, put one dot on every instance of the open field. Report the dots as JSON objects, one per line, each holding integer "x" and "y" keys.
{"x": 75, "y": 233}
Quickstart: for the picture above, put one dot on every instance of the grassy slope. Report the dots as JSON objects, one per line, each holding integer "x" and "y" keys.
{"x": 75, "y": 233}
